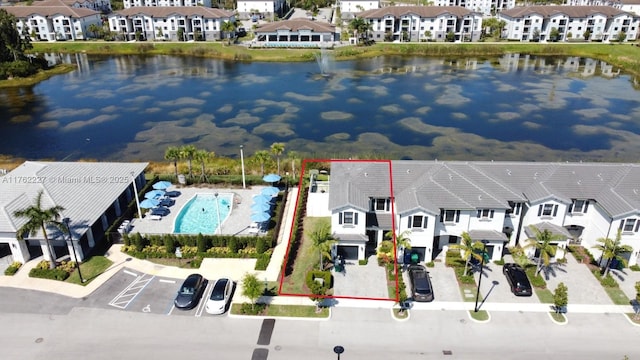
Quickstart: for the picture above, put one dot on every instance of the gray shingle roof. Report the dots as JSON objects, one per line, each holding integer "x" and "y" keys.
{"x": 431, "y": 185}
{"x": 553, "y": 228}
{"x": 85, "y": 190}
{"x": 490, "y": 235}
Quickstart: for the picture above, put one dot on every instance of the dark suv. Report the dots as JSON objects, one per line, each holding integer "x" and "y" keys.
{"x": 421, "y": 289}
{"x": 518, "y": 280}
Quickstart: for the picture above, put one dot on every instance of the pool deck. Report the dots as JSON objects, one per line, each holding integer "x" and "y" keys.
{"x": 236, "y": 223}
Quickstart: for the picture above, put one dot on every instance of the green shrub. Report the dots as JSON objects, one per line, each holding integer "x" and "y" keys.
{"x": 261, "y": 245}
{"x": 195, "y": 263}
{"x": 464, "y": 279}
{"x": 52, "y": 274}
{"x": 607, "y": 281}
{"x": 562, "y": 261}
{"x": 170, "y": 244}
{"x": 430, "y": 264}
{"x": 249, "y": 309}
{"x": 453, "y": 259}
{"x": 363, "y": 262}
{"x": 67, "y": 266}
{"x": 263, "y": 261}
{"x": 635, "y": 267}
{"x": 536, "y": 280}
{"x": 233, "y": 245}
{"x": 317, "y": 274}
{"x": 499, "y": 262}
{"x": 13, "y": 268}
{"x": 201, "y": 243}
{"x": 43, "y": 265}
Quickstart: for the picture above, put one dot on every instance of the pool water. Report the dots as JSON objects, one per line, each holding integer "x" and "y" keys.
{"x": 200, "y": 214}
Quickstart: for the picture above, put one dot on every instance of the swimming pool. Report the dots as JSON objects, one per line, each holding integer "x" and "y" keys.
{"x": 200, "y": 214}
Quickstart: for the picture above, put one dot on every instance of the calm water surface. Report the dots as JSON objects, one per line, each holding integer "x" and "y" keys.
{"x": 510, "y": 108}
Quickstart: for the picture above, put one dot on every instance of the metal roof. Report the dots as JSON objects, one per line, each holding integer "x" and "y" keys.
{"x": 86, "y": 190}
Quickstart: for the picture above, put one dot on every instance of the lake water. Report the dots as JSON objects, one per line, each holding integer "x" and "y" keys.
{"x": 515, "y": 107}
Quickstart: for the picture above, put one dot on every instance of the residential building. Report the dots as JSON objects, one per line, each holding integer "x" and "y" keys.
{"x": 97, "y": 5}
{"x": 423, "y": 23}
{"x": 170, "y": 23}
{"x": 268, "y": 9}
{"x": 486, "y": 7}
{"x": 93, "y": 196}
{"x": 295, "y": 33}
{"x": 55, "y": 21}
{"x": 595, "y": 23}
{"x": 434, "y": 202}
{"x": 165, "y": 3}
{"x": 349, "y": 8}
{"x": 630, "y": 6}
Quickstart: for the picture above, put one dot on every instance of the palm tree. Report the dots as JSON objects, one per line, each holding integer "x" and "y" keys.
{"x": 38, "y": 220}
{"x": 322, "y": 240}
{"x": 542, "y": 242}
{"x": 173, "y": 154}
{"x": 228, "y": 27}
{"x": 187, "y": 152}
{"x": 202, "y": 156}
{"x": 277, "y": 149}
{"x": 469, "y": 249}
{"x": 294, "y": 157}
{"x": 611, "y": 249}
{"x": 402, "y": 239}
{"x": 94, "y": 28}
{"x": 262, "y": 156}
{"x": 359, "y": 26}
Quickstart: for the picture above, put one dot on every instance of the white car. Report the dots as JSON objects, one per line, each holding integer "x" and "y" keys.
{"x": 220, "y": 296}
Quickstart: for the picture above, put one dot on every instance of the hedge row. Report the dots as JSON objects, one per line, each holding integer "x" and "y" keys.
{"x": 296, "y": 230}
{"x": 202, "y": 242}
{"x": 13, "y": 268}
{"x": 52, "y": 274}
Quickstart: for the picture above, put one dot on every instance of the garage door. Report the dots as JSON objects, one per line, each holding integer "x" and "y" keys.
{"x": 348, "y": 252}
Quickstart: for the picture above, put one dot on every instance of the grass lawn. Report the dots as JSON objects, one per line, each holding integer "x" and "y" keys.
{"x": 558, "y": 317}
{"x": 90, "y": 269}
{"x": 617, "y": 296}
{"x": 544, "y": 295}
{"x": 400, "y": 315}
{"x": 288, "y": 311}
{"x": 481, "y": 315}
{"x": 633, "y": 317}
{"x": 308, "y": 257}
{"x": 38, "y": 77}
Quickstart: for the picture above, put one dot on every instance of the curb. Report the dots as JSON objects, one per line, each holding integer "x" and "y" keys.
{"x": 393, "y": 316}
{"x": 566, "y": 320}
{"x": 626, "y": 316}
{"x": 479, "y": 321}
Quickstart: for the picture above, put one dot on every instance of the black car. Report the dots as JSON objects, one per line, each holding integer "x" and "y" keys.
{"x": 190, "y": 292}
{"x": 421, "y": 289}
{"x": 518, "y": 280}
{"x": 242, "y": 32}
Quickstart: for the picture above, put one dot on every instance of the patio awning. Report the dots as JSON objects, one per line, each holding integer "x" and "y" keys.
{"x": 350, "y": 238}
{"x": 553, "y": 228}
{"x": 489, "y": 235}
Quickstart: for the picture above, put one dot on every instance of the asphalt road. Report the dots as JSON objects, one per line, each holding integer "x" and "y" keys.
{"x": 40, "y": 325}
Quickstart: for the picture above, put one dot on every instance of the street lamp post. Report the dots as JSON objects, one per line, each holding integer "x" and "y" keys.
{"x": 218, "y": 211}
{"x": 484, "y": 249}
{"x": 338, "y": 350}
{"x": 73, "y": 247}
{"x": 244, "y": 184}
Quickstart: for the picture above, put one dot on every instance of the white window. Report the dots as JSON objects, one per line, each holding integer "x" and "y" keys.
{"x": 548, "y": 210}
{"x": 450, "y": 216}
{"x": 485, "y": 214}
{"x": 629, "y": 225}
{"x": 579, "y": 206}
{"x": 382, "y": 204}
{"x": 348, "y": 218}
{"x": 417, "y": 222}
{"x": 515, "y": 208}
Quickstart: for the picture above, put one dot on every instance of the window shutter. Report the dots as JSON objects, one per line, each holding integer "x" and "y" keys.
{"x": 518, "y": 205}
{"x": 425, "y": 221}
{"x": 441, "y": 215}
{"x": 491, "y": 214}
{"x": 388, "y": 208}
{"x": 457, "y": 215}
{"x": 409, "y": 223}
{"x": 479, "y": 214}
{"x": 571, "y": 207}
{"x": 355, "y": 218}
{"x": 637, "y": 225}
{"x": 621, "y": 225}
{"x": 539, "y": 209}
{"x": 586, "y": 205}
{"x": 339, "y": 218}
{"x": 372, "y": 204}
{"x": 555, "y": 210}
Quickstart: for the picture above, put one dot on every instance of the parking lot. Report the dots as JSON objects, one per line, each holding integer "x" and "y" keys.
{"x": 130, "y": 290}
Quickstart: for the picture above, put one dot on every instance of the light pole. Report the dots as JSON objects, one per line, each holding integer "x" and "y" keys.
{"x": 244, "y": 184}
{"x": 338, "y": 350}
{"x": 218, "y": 211}
{"x": 73, "y": 247}
{"x": 135, "y": 191}
{"x": 484, "y": 249}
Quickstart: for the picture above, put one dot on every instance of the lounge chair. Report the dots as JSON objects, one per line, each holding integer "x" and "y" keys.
{"x": 155, "y": 217}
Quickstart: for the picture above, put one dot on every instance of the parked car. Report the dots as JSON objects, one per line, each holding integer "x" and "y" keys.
{"x": 421, "y": 289}
{"x": 242, "y": 32}
{"x": 190, "y": 292}
{"x": 517, "y": 278}
{"x": 220, "y": 296}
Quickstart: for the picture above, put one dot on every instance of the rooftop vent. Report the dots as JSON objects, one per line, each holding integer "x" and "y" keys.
{"x": 509, "y": 172}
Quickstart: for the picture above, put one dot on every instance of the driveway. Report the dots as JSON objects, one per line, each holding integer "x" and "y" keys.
{"x": 627, "y": 280}
{"x": 444, "y": 283}
{"x": 495, "y": 287}
{"x": 361, "y": 281}
{"x": 583, "y": 287}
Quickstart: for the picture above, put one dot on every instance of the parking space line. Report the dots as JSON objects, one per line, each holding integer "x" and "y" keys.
{"x": 205, "y": 295}
{"x": 126, "y": 296}
{"x": 130, "y": 273}
{"x": 167, "y": 281}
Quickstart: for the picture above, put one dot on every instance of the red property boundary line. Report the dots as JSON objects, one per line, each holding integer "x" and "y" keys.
{"x": 291, "y": 233}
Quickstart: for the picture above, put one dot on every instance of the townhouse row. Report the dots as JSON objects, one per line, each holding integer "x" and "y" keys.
{"x": 433, "y": 203}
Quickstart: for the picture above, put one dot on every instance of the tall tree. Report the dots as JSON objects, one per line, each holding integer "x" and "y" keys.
{"x": 12, "y": 45}
{"x": 262, "y": 156}
{"x": 468, "y": 248}
{"x": 359, "y": 27}
{"x": 322, "y": 240}
{"x": 402, "y": 240}
{"x": 203, "y": 156}
{"x": 251, "y": 288}
{"x": 277, "y": 149}
{"x": 542, "y": 243}
{"x": 294, "y": 157}
{"x": 187, "y": 152}
{"x": 612, "y": 249}
{"x": 172, "y": 153}
{"x": 228, "y": 27}
{"x": 37, "y": 220}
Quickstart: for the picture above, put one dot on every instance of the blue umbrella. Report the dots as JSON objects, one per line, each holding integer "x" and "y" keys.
{"x": 262, "y": 199}
{"x": 154, "y": 194}
{"x": 270, "y": 191}
{"x": 260, "y": 217}
{"x": 260, "y": 207}
{"x": 149, "y": 203}
{"x": 271, "y": 178}
{"x": 161, "y": 185}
